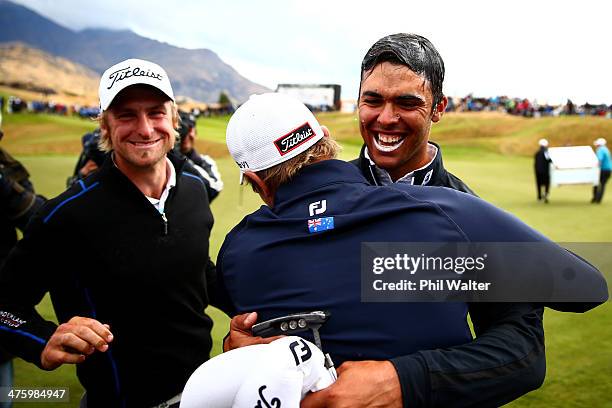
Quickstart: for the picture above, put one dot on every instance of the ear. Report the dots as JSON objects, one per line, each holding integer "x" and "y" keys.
{"x": 325, "y": 131}
{"x": 103, "y": 126}
{"x": 439, "y": 110}
{"x": 262, "y": 189}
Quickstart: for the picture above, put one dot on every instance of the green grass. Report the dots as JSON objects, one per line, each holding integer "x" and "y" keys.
{"x": 579, "y": 355}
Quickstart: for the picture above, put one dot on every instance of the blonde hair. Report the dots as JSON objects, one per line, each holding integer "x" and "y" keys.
{"x": 282, "y": 173}
{"x": 105, "y": 143}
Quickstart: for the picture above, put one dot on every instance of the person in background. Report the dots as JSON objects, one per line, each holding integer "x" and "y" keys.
{"x": 204, "y": 164}
{"x": 605, "y": 166}
{"x": 18, "y": 203}
{"x": 542, "y": 170}
{"x": 90, "y": 159}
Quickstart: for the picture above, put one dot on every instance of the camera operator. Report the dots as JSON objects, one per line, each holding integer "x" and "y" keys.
{"x": 18, "y": 203}
{"x": 204, "y": 164}
{"x": 90, "y": 159}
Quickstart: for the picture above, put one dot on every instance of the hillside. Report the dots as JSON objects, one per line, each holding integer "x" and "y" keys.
{"x": 199, "y": 74}
{"x": 458, "y": 133}
{"x": 28, "y": 68}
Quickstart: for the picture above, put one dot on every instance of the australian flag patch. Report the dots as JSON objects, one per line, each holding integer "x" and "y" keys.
{"x": 320, "y": 224}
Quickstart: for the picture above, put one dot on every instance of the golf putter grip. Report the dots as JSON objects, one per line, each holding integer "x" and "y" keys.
{"x": 290, "y": 324}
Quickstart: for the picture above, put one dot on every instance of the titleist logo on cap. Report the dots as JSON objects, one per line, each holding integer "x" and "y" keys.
{"x": 127, "y": 72}
{"x": 294, "y": 139}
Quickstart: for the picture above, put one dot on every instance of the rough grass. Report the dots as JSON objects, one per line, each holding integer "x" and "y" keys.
{"x": 579, "y": 355}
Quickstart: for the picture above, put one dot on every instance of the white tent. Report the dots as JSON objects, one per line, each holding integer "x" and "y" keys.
{"x": 573, "y": 165}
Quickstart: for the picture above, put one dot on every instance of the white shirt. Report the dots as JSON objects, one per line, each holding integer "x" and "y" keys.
{"x": 160, "y": 203}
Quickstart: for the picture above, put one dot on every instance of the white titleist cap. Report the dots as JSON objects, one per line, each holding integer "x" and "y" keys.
{"x": 132, "y": 72}
{"x": 543, "y": 142}
{"x": 600, "y": 142}
{"x": 269, "y": 129}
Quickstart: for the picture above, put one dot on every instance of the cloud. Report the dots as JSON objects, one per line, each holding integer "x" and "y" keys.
{"x": 520, "y": 48}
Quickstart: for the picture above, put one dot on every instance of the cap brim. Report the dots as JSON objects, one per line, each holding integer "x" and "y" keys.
{"x": 123, "y": 88}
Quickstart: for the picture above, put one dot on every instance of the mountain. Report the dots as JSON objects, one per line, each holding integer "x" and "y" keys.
{"x": 199, "y": 74}
{"x": 28, "y": 68}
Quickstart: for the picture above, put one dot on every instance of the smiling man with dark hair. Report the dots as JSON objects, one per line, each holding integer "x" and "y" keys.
{"x": 400, "y": 98}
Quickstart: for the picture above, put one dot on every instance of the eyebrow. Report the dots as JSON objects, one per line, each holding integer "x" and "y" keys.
{"x": 130, "y": 109}
{"x": 371, "y": 94}
{"x": 400, "y": 98}
{"x": 410, "y": 98}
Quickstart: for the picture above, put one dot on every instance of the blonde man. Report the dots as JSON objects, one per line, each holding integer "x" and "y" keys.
{"x": 123, "y": 254}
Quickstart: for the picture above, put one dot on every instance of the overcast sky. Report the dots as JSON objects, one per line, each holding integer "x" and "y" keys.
{"x": 549, "y": 50}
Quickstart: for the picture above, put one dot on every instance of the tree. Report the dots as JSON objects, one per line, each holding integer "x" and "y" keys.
{"x": 224, "y": 99}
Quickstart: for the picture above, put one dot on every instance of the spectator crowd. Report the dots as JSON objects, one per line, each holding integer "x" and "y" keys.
{"x": 525, "y": 107}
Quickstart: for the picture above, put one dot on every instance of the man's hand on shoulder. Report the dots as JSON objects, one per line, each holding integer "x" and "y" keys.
{"x": 360, "y": 384}
{"x": 73, "y": 341}
{"x": 240, "y": 334}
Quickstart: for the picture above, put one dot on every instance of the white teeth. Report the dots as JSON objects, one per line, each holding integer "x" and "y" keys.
{"x": 388, "y": 139}
{"x": 387, "y": 148}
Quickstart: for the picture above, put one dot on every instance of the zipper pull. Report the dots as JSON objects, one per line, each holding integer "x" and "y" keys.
{"x": 163, "y": 215}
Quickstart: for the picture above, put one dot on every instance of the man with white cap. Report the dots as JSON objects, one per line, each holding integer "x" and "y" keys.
{"x": 130, "y": 298}
{"x": 542, "y": 170}
{"x": 605, "y": 166}
{"x": 302, "y": 252}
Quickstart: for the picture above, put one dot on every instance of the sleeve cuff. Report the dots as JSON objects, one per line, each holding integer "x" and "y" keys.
{"x": 414, "y": 379}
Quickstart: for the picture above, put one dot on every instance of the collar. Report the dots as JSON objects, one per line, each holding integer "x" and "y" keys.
{"x": 422, "y": 176}
{"x": 160, "y": 203}
{"x": 123, "y": 184}
{"x": 317, "y": 175}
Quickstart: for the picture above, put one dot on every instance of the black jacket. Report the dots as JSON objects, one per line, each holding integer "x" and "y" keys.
{"x": 505, "y": 361}
{"x": 541, "y": 162}
{"x": 18, "y": 203}
{"x": 103, "y": 251}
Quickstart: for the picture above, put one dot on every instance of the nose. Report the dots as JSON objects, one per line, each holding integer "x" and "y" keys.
{"x": 387, "y": 115}
{"x": 144, "y": 127}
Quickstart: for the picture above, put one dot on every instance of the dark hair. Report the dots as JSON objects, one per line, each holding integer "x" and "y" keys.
{"x": 186, "y": 123}
{"x": 412, "y": 50}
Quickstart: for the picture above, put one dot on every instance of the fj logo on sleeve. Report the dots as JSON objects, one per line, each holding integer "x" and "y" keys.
{"x": 318, "y": 207}
{"x": 304, "y": 351}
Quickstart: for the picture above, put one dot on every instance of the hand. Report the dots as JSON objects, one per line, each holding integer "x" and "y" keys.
{"x": 240, "y": 334}
{"x": 73, "y": 341}
{"x": 360, "y": 384}
{"x": 89, "y": 167}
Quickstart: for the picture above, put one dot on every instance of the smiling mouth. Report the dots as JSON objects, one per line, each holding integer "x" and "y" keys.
{"x": 145, "y": 144}
{"x": 388, "y": 143}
